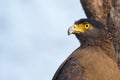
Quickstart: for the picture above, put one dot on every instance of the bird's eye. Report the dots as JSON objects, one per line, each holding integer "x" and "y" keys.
{"x": 87, "y": 26}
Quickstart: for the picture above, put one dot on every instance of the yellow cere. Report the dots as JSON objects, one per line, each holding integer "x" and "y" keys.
{"x": 83, "y": 27}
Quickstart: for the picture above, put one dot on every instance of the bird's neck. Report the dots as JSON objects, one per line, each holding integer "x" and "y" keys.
{"x": 105, "y": 45}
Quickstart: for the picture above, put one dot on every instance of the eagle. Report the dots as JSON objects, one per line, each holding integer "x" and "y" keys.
{"x": 94, "y": 59}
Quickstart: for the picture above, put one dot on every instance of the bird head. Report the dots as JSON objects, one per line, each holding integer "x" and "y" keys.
{"x": 87, "y": 28}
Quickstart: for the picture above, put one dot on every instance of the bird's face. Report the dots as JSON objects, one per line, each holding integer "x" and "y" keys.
{"x": 87, "y": 28}
{"x": 80, "y": 28}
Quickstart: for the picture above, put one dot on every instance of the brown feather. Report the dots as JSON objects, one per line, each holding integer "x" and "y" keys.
{"x": 89, "y": 63}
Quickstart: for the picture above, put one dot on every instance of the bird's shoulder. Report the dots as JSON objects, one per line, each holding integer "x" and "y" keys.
{"x": 70, "y": 69}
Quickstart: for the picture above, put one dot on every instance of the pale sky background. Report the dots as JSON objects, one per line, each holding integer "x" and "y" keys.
{"x": 33, "y": 37}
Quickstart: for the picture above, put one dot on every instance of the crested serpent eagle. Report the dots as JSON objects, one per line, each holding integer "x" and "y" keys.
{"x": 94, "y": 59}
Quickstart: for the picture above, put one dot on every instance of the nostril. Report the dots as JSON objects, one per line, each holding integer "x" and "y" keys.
{"x": 74, "y": 26}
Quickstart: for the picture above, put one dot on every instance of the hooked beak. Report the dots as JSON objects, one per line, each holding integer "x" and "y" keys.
{"x": 75, "y": 30}
{"x": 71, "y": 30}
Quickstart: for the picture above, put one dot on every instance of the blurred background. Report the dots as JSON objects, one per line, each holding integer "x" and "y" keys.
{"x": 33, "y": 37}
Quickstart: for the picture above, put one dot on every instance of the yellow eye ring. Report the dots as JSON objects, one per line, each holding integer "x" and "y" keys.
{"x": 87, "y": 26}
